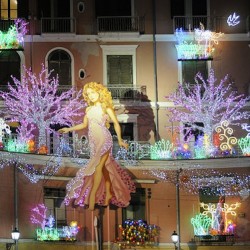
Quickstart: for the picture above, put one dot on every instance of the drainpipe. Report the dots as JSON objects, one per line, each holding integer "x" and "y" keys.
{"x": 155, "y": 73}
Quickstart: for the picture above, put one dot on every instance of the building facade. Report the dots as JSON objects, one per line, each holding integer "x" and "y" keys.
{"x": 135, "y": 48}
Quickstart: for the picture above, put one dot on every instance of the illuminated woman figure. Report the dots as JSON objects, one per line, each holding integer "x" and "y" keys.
{"x": 102, "y": 180}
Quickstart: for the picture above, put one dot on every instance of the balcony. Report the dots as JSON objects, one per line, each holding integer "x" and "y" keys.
{"x": 123, "y": 92}
{"x": 58, "y": 25}
{"x": 216, "y": 24}
{"x": 121, "y": 24}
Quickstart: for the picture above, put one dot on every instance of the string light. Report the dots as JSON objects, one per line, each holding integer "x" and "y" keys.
{"x": 35, "y": 100}
{"x": 207, "y": 103}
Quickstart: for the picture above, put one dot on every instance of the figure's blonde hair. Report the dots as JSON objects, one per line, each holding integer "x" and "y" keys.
{"x": 104, "y": 95}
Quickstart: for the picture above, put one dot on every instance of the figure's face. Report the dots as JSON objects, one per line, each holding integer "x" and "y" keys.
{"x": 92, "y": 95}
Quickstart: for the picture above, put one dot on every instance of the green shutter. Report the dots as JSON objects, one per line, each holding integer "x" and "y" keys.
{"x": 120, "y": 69}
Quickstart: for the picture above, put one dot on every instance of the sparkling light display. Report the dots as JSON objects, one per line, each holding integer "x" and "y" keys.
{"x": 219, "y": 215}
{"x": 233, "y": 20}
{"x": 35, "y": 100}
{"x": 244, "y": 144}
{"x": 38, "y": 215}
{"x": 192, "y": 180}
{"x": 207, "y": 103}
{"x": 47, "y": 230}
{"x": 137, "y": 233}
{"x": 14, "y": 37}
{"x": 201, "y": 46}
{"x": 4, "y": 128}
{"x": 202, "y": 224}
{"x": 161, "y": 150}
{"x": 225, "y": 135}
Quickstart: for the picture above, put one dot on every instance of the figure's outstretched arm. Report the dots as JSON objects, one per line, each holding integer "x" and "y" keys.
{"x": 117, "y": 127}
{"x": 80, "y": 126}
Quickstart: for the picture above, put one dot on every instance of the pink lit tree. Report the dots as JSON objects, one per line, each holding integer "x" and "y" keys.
{"x": 209, "y": 103}
{"x": 35, "y": 100}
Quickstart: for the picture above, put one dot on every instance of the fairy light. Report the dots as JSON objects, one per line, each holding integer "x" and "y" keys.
{"x": 137, "y": 233}
{"x": 161, "y": 150}
{"x": 201, "y": 224}
{"x": 244, "y": 144}
{"x": 38, "y": 215}
{"x": 195, "y": 179}
{"x": 225, "y": 133}
{"x": 208, "y": 103}
{"x": 35, "y": 100}
{"x": 14, "y": 37}
{"x": 233, "y": 20}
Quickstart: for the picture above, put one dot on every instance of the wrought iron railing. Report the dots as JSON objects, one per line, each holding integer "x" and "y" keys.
{"x": 189, "y": 23}
{"x": 126, "y": 92}
{"x": 121, "y": 24}
{"x": 58, "y": 25}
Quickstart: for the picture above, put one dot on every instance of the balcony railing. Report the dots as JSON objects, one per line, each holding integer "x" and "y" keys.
{"x": 189, "y": 23}
{"x": 121, "y": 24}
{"x": 58, "y": 25}
{"x": 127, "y": 92}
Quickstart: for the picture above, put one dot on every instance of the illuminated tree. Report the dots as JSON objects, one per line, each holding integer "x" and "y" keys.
{"x": 207, "y": 103}
{"x": 35, "y": 100}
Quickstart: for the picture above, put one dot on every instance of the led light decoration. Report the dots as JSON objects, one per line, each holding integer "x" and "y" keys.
{"x": 233, "y": 20}
{"x": 38, "y": 215}
{"x": 161, "y": 150}
{"x": 194, "y": 179}
{"x": 219, "y": 215}
{"x": 4, "y": 129}
{"x": 47, "y": 231}
{"x": 14, "y": 37}
{"x": 35, "y": 100}
{"x": 225, "y": 133}
{"x": 208, "y": 103}
{"x": 199, "y": 47}
{"x": 202, "y": 224}
{"x": 137, "y": 233}
{"x": 244, "y": 144}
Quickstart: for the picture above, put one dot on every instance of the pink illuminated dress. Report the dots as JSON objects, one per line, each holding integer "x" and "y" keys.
{"x": 78, "y": 189}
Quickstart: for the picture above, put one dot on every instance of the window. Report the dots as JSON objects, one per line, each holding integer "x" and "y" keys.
{"x": 9, "y": 66}
{"x": 113, "y": 8}
{"x": 191, "y": 68}
{"x": 53, "y": 200}
{"x": 8, "y": 9}
{"x": 54, "y": 8}
{"x": 137, "y": 208}
{"x": 60, "y": 62}
{"x": 119, "y": 64}
{"x": 120, "y": 69}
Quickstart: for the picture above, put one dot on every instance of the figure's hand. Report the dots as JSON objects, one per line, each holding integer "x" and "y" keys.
{"x": 63, "y": 130}
{"x": 123, "y": 144}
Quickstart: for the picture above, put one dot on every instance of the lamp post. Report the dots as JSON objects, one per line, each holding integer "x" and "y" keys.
{"x": 177, "y": 185}
{"x": 15, "y": 234}
{"x": 175, "y": 239}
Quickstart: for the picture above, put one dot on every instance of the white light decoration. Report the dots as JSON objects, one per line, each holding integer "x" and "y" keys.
{"x": 233, "y": 20}
{"x": 225, "y": 135}
{"x": 207, "y": 37}
{"x": 4, "y": 128}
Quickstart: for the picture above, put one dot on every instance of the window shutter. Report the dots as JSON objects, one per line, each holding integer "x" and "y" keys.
{"x": 120, "y": 70}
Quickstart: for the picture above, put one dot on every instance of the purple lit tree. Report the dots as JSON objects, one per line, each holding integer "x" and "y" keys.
{"x": 208, "y": 103}
{"x": 35, "y": 100}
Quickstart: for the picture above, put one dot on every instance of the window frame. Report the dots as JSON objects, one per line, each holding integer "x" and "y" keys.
{"x": 72, "y": 63}
{"x": 118, "y": 50}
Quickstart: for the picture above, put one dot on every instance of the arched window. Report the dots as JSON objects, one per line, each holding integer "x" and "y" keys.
{"x": 60, "y": 62}
{"x": 9, "y": 66}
